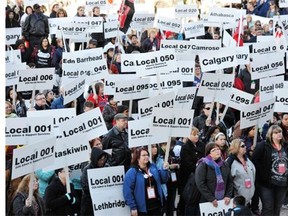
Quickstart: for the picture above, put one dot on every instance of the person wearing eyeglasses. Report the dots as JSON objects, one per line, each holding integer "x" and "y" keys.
{"x": 242, "y": 170}
{"x": 40, "y": 102}
{"x": 270, "y": 160}
{"x": 213, "y": 177}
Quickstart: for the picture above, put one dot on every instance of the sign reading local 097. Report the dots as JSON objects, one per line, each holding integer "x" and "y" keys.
{"x": 28, "y": 130}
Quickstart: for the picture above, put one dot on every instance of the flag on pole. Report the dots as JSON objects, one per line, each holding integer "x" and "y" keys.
{"x": 239, "y": 33}
{"x": 126, "y": 13}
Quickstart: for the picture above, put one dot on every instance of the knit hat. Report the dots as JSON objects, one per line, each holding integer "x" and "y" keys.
{"x": 19, "y": 42}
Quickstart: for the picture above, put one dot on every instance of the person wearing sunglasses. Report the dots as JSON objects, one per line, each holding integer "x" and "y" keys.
{"x": 242, "y": 170}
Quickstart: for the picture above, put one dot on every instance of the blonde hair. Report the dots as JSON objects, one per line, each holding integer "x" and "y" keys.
{"x": 193, "y": 129}
{"x": 24, "y": 185}
{"x": 235, "y": 146}
{"x": 270, "y": 132}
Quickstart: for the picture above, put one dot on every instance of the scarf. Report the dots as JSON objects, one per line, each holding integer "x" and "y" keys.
{"x": 220, "y": 187}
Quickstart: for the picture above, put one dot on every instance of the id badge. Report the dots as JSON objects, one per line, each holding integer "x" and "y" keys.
{"x": 151, "y": 192}
{"x": 247, "y": 183}
{"x": 173, "y": 177}
{"x": 253, "y": 85}
{"x": 281, "y": 168}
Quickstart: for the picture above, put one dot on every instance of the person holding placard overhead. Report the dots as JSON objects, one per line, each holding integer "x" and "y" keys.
{"x": 142, "y": 185}
{"x": 270, "y": 160}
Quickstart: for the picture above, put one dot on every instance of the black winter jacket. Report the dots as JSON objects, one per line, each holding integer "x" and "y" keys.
{"x": 36, "y": 25}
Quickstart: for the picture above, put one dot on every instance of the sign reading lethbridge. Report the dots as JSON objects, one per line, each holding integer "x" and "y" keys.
{"x": 192, "y": 29}
{"x": 185, "y": 97}
{"x": 218, "y": 85}
{"x": 281, "y": 100}
{"x": 149, "y": 63}
{"x": 13, "y": 56}
{"x": 168, "y": 24}
{"x": 257, "y": 113}
{"x": 37, "y": 78}
{"x": 224, "y": 58}
{"x": 186, "y": 11}
{"x": 268, "y": 85}
{"x": 132, "y": 89}
{"x": 89, "y": 124}
{"x": 12, "y": 71}
{"x": 207, "y": 209}
{"x": 145, "y": 107}
{"x": 73, "y": 89}
{"x": 32, "y": 157}
{"x": 105, "y": 186}
{"x": 20, "y": 131}
{"x": 171, "y": 122}
{"x": 273, "y": 65}
{"x": 12, "y": 35}
{"x": 139, "y": 133}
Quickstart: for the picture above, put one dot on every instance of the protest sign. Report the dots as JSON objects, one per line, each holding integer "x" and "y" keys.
{"x": 258, "y": 113}
{"x": 171, "y": 122}
{"x": 184, "y": 98}
{"x": 268, "y": 85}
{"x": 242, "y": 55}
{"x": 90, "y": 4}
{"x": 186, "y": 10}
{"x": 111, "y": 79}
{"x": 55, "y": 24}
{"x": 13, "y": 56}
{"x": 106, "y": 189}
{"x": 149, "y": 63}
{"x": 145, "y": 107}
{"x": 238, "y": 99}
{"x": 201, "y": 45}
{"x": 131, "y": 89}
{"x": 193, "y": 29}
{"x": 207, "y": 208}
{"x": 166, "y": 83}
{"x": 273, "y": 65}
{"x": 73, "y": 89}
{"x": 168, "y": 24}
{"x": 181, "y": 49}
{"x": 93, "y": 24}
{"x": 29, "y": 158}
{"x": 140, "y": 21}
{"x": 224, "y": 14}
{"x": 283, "y": 3}
{"x": 70, "y": 151}
{"x": 75, "y": 31}
{"x": 58, "y": 115}
{"x": 281, "y": 100}
{"x": 89, "y": 125}
{"x": 228, "y": 41}
{"x": 23, "y": 130}
{"x": 12, "y": 35}
{"x": 76, "y": 171}
{"x": 265, "y": 38}
{"x": 35, "y": 79}
{"x": 266, "y": 48}
{"x": 224, "y": 58}
{"x": 12, "y": 71}
{"x": 139, "y": 133}
{"x": 185, "y": 71}
{"x": 111, "y": 29}
{"x": 217, "y": 85}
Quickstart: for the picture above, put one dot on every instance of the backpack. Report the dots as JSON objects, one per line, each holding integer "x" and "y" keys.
{"x": 191, "y": 194}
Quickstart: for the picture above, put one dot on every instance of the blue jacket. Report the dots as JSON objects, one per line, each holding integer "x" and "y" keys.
{"x": 134, "y": 186}
{"x": 58, "y": 103}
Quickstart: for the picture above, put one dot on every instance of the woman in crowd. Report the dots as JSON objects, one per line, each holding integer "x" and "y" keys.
{"x": 99, "y": 99}
{"x": 80, "y": 13}
{"x": 154, "y": 152}
{"x": 28, "y": 11}
{"x": 242, "y": 170}
{"x": 20, "y": 106}
{"x": 22, "y": 205}
{"x": 273, "y": 10}
{"x": 109, "y": 111}
{"x": 43, "y": 54}
{"x": 8, "y": 110}
{"x": 213, "y": 177}
{"x": 49, "y": 95}
{"x": 270, "y": 160}
{"x": 11, "y": 22}
{"x": 116, "y": 64}
{"x": 142, "y": 185}
{"x": 44, "y": 178}
{"x": 150, "y": 43}
{"x": 220, "y": 140}
{"x": 248, "y": 137}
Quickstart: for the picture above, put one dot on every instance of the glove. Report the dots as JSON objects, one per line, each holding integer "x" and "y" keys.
{"x": 71, "y": 198}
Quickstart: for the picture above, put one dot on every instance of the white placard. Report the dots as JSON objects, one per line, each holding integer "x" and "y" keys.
{"x": 12, "y": 35}
{"x": 186, "y": 11}
{"x": 106, "y": 189}
{"x": 13, "y": 56}
{"x": 208, "y": 209}
{"x": 171, "y": 122}
{"x": 242, "y": 55}
{"x": 37, "y": 78}
{"x": 21, "y": 131}
{"x": 76, "y": 171}
{"x": 111, "y": 79}
{"x": 185, "y": 97}
{"x": 94, "y": 24}
{"x": 70, "y": 151}
{"x": 268, "y": 85}
{"x": 140, "y": 21}
{"x": 33, "y": 157}
{"x": 59, "y": 115}
{"x": 167, "y": 84}
{"x": 12, "y": 71}
{"x": 283, "y": 3}
{"x": 89, "y": 125}
{"x": 265, "y": 38}
{"x": 281, "y": 100}
{"x": 74, "y": 31}
{"x": 139, "y": 133}
{"x": 273, "y": 65}
{"x": 168, "y": 24}
{"x": 217, "y": 85}
{"x": 202, "y": 45}
{"x": 90, "y": 4}
{"x": 185, "y": 71}
{"x": 224, "y": 14}
{"x": 228, "y": 41}
{"x": 193, "y": 29}
{"x": 259, "y": 112}
{"x": 111, "y": 29}
{"x": 55, "y": 24}
{"x": 224, "y": 58}
{"x": 266, "y": 48}
{"x": 145, "y": 107}
{"x": 181, "y": 48}
{"x": 132, "y": 89}
{"x": 149, "y": 63}
{"x": 73, "y": 89}
{"x": 239, "y": 99}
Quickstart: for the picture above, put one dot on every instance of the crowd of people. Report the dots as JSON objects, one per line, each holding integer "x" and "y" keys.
{"x": 219, "y": 160}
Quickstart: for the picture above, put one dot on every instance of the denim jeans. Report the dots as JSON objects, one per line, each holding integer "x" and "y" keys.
{"x": 272, "y": 199}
